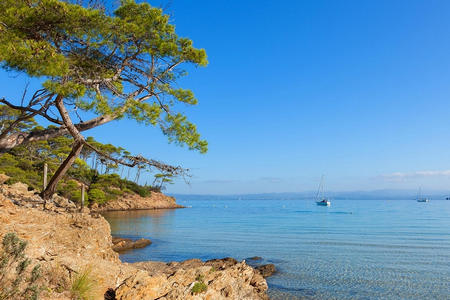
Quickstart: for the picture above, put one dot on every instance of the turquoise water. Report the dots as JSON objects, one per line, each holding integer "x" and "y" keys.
{"x": 351, "y": 250}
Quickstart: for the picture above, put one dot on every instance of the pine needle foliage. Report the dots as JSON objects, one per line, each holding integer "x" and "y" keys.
{"x": 123, "y": 64}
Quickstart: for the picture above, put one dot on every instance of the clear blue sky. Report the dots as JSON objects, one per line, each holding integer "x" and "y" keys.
{"x": 356, "y": 90}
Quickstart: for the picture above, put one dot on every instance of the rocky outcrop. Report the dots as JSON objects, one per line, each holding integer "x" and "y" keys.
{"x": 123, "y": 244}
{"x": 69, "y": 244}
{"x": 224, "y": 279}
{"x": 136, "y": 202}
{"x": 63, "y": 243}
{"x": 266, "y": 270}
{"x": 20, "y": 195}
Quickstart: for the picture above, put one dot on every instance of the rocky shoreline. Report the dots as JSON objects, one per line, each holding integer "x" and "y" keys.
{"x": 68, "y": 244}
{"x": 136, "y": 202}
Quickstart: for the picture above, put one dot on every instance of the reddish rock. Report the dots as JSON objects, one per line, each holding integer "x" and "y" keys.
{"x": 136, "y": 202}
{"x": 123, "y": 244}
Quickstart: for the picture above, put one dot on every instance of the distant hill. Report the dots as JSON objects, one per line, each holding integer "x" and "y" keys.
{"x": 308, "y": 195}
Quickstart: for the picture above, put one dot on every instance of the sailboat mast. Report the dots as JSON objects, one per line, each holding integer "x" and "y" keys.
{"x": 320, "y": 190}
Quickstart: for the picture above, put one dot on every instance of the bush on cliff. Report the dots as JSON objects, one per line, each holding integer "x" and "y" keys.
{"x": 199, "y": 287}
{"x": 97, "y": 196}
{"x": 14, "y": 281}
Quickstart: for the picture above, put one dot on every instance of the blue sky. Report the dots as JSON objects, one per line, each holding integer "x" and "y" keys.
{"x": 355, "y": 90}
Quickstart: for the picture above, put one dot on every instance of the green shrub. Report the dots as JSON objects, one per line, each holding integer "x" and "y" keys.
{"x": 84, "y": 286}
{"x": 25, "y": 164}
{"x": 155, "y": 189}
{"x": 76, "y": 197}
{"x": 30, "y": 178}
{"x": 96, "y": 186}
{"x": 136, "y": 188}
{"x": 199, "y": 287}
{"x": 97, "y": 196}
{"x": 108, "y": 180}
{"x": 127, "y": 191}
{"x": 115, "y": 192}
{"x": 109, "y": 197}
{"x": 8, "y": 160}
{"x": 13, "y": 261}
{"x": 68, "y": 188}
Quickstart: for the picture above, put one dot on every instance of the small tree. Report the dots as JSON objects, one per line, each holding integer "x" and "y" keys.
{"x": 162, "y": 179}
{"x": 120, "y": 65}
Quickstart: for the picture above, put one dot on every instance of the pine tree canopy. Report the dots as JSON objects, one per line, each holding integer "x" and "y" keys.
{"x": 120, "y": 65}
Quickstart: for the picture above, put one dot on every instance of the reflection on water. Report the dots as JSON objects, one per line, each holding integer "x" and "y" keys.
{"x": 352, "y": 250}
{"x": 136, "y": 222}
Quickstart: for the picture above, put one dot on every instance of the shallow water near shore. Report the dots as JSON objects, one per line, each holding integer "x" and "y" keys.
{"x": 367, "y": 249}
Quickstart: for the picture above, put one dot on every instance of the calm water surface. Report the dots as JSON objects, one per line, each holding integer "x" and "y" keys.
{"x": 351, "y": 250}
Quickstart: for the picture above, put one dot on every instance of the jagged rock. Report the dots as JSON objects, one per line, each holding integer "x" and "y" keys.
{"x": 237, "y": 281}
{"x": 62, "y": 202}
{"x": 20, "y": 187}
{"x": 143, "y": 286}
{"x": 223, "y": 263}
{"x": 85, "y": 210}
{"x": 259, "y": 283}
{"x": 94, "y": 207}
{"x": 51, "y": 207}
{"x": 3, "y": 178}
{"x": 155, "y": 267}
{"x": 19, "y": 194}
{"x": 5, "y": 202}
{"x": 266, "y": 270}
{"x": 190, "y": 263}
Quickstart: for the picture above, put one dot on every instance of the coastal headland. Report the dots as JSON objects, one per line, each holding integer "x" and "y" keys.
{"x": 75, "y": 250}
{"x": 135, "y": 202}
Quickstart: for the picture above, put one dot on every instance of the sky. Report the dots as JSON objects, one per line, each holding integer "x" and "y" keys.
{"x": 357, "y": 91}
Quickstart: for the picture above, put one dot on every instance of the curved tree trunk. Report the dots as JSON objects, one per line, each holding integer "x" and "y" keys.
{"x": 62, "y": 170}
{"x": 76, "y": 150}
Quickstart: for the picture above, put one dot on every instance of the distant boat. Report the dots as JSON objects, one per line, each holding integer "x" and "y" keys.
{"x": 321, "y": 200}
{"x": 448, "y": 198}
{"x": 420, "y": 198}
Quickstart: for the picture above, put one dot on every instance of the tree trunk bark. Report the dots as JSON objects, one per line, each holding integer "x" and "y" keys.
{"x": 74, "y": 153}
{"x": 62, "y": 170}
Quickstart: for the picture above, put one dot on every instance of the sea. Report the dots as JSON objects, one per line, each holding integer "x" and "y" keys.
{"x": 354, "y": 249}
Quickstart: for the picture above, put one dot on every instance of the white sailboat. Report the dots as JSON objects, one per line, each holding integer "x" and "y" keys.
{"x": 420, "y": 198}
{"x": 320, "y": 198}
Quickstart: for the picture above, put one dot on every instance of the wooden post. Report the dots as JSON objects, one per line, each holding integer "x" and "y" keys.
{"x": 45, "y": 176}
{"x": 82, "y": 197}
